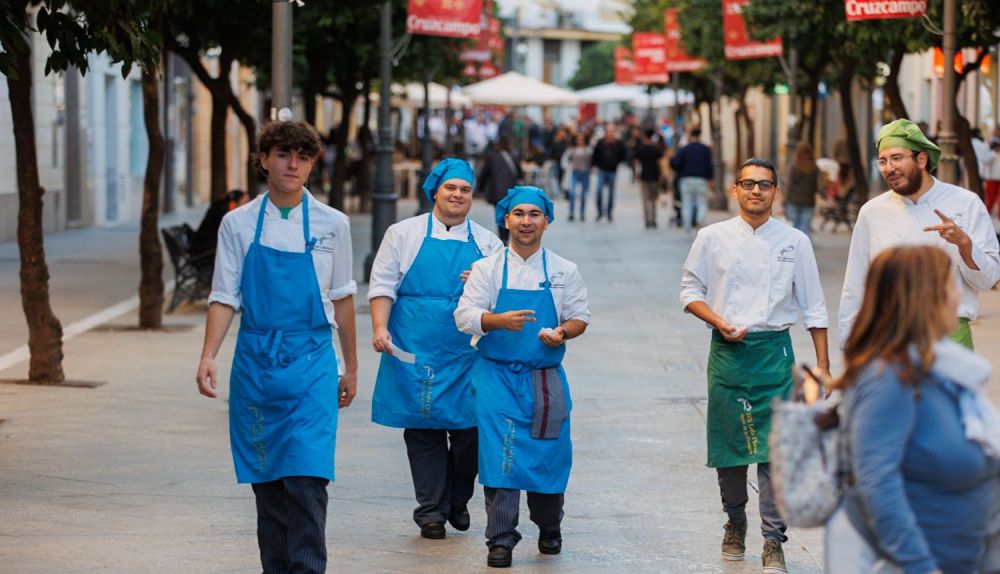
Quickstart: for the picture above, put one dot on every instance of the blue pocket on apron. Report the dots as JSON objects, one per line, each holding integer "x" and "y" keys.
{"x": 550, "y": 404}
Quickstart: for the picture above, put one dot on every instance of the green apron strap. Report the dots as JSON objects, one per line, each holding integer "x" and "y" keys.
{"x": 962, "y": 334}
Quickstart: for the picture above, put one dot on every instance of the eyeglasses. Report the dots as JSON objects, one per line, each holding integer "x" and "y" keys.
{"x": 763, "y": 184}
{"x": 895, "y": 159}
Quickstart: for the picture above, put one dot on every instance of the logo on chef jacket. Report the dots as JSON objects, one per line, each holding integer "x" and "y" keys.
{"x": 787, "y": 254}
{"x": 557, "y": 280}
{"x": 324, "y": 243}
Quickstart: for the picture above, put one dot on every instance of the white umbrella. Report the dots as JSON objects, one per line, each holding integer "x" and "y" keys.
{"x": 661, "y": 99}
{"x": 513, "y": 89}
{"x": 412, "y": 96}
{"x": 612, "y": 92}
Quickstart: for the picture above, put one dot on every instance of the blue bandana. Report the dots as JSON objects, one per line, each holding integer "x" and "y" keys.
{"x": 448, "y": 168}
{"x": 522, "y": 194}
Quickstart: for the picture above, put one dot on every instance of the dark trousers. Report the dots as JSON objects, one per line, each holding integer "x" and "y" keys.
{"x": 444, "y": 475}
{"x": 733, "y": 486}
{"x": 502, "y": 506}
{"x": 291, "y": 524}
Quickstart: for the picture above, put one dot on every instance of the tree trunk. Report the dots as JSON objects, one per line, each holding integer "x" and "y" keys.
{"x": 969, "y": 160}
{"x": 858, "y": 172}
{"x": 150, "y": 251}
{"x": 340, "y": 162}
{"x": 364, "y": 176}
{"x": 738, "y": 120}
{"x": 217, "y": 131}
{"x": 813, "y": 112}
{"x": 749, "y": 125}
{"x": 44, "y": 330}
{"x": 250, "y": 127}
{"x": 896, "y": 103}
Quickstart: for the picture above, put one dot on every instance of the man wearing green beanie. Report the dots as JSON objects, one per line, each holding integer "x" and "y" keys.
{"x": 921, "y": 209}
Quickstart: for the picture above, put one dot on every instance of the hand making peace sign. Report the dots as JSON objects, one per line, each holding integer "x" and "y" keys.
{"x": 949, "y": 230}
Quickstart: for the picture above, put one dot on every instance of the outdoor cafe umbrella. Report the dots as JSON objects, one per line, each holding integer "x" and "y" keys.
{"x": 513, "y": 89}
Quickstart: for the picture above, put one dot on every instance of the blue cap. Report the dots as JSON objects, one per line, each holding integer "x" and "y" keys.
{"x": 448, "y": 168}
{"x": 522, "y": 194}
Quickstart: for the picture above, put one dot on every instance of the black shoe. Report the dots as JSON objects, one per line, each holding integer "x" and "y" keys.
{"x": 550, "y": 542}
{"x": 571, "y": 217}
{"x": 459, "y": 518}
{"x": 433, "y": 531}
{"x": 499, "y": 557}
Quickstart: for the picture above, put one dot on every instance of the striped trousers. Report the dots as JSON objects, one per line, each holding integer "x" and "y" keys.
{"x": 502, "y": 508}
{"x": 291, "y": 524}
{"x": 444, "y": 475}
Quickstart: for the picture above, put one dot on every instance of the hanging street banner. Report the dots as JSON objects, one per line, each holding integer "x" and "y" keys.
{"x": 882, "y": 9}
{"x": 624, "y": 66}
{"x": 488, "y": 44}
{"x": 452, "y": 18}
{"x": 739, "y": 46}
{"x": 650, "y": 57}
{"x": 677, "y": 59}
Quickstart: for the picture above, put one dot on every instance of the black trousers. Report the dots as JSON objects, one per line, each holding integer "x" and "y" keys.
{"x": 502, "y": 509}
{"x": 444, "y": 464}
{"x": 291, "y": 524}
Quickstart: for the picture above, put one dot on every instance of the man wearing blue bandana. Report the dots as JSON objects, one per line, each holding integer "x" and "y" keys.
{"x": 424, "y": 380}
{"x": 520, "y": 305}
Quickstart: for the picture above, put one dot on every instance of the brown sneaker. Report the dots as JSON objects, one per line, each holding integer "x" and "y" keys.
{"x": 734, "y": 542}
{"x": 774, "y": 558}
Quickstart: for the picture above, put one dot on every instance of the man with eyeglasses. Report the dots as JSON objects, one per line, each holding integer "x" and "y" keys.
{"x": 750, "y": 278}
{"x": 921, "y": 209}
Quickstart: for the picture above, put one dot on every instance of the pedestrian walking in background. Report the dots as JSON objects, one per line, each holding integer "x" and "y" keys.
{"x": 919, "y": 208}
{"x": 285, "y": 259}
{"x": 750, "y": 278}
{"x": 521, "y": 305}
{"x": 608, "y": 153}
{"x": 500, "y": 171}
{"x": 805, "y": 181}
{"x": 646, "y": 163}
{"x": 923, "y": 441}
{"x": 557, "y": 148}
{"x": 991, "y": 176}
{"x": 693, "y": 166}
{"x": 579, "y": 159}
{"x": 416, "y": 279}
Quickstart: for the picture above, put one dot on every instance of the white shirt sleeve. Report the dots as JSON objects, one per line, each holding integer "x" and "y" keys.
{"x": 694, "y": 277}
{"x": 386, "y": 276}
{"x": 494, "y": 243}
{"x": 342, "y": 283}
{"x": 228, "y": 274}
{"x": 574, "y": 303}
{"x": 985, "y": 252}
{"x": 808, "y": 288}
{"x": 476, "y": 300}
{"x": 858, "y": 261}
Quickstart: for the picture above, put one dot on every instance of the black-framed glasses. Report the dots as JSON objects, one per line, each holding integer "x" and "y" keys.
{"x": 763, "y": 184}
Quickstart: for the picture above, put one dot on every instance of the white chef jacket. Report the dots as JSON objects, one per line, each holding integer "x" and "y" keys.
{"x": 764, "y": 279}
{"x": 569, "y": 294}
{"x": 892, "y": 219}
{"x": 402, "y": 242}
{"x": 332, "y": 255}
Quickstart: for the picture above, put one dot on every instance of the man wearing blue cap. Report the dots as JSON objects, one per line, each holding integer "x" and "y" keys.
{"x": 424, "y": 379}
{"x": 520, "y": 305}
{"x": 921, "y": 209}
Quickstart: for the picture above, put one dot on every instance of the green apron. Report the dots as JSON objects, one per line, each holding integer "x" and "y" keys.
{"x": 962, "y": 334}
{"x": 743, "y": 379}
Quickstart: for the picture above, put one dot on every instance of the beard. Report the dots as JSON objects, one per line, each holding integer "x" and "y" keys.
{"x": 907, "y": 183}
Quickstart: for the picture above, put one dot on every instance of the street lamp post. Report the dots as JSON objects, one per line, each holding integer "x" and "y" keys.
{"x": 948, "y": 166}
{"x": 281, "y": 60}
{"x": 384, "y": 197}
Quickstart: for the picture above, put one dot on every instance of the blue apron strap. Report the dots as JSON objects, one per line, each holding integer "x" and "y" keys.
{"x": 430, "y": 223}
{"x": 545, "y": 284}
{"x": 506, "y": 254}
{"x": 260, "y": 219}
{"x": 310, "y": 241}
{"x": 472, "y": 238}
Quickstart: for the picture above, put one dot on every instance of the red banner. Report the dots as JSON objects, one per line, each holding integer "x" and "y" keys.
{"x": 677, "y": 59}
{"x": 739, "y": 46}
{"x": 624, "y": 66}
{"x": 453, "y": 18}
{"x": 649, "y": 56}
{"x": 882, "y": 9}
{"x": 488, "y": 45}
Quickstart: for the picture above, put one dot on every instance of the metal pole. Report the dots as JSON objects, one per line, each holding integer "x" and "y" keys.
{"x": 74, "y": 178}
{"x": 281, "y": 60}
{"x": 675, "y": 84}
{"x": 384, "y": 197}
{"x": 718, "y": 200}
{"x": 948, "y": 166}
{"x": 425, "y": 142}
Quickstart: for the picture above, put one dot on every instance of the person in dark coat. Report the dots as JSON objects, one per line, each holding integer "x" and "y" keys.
{"x": 500, "y": 171}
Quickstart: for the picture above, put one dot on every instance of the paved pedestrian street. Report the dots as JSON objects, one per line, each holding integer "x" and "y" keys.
{"x": 136, "y": 476}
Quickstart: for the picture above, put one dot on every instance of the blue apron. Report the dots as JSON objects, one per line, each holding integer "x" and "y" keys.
{"x": 505, "y": 400}
{"x": 283, "y": 395}
{"x": 436, "y": 391}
